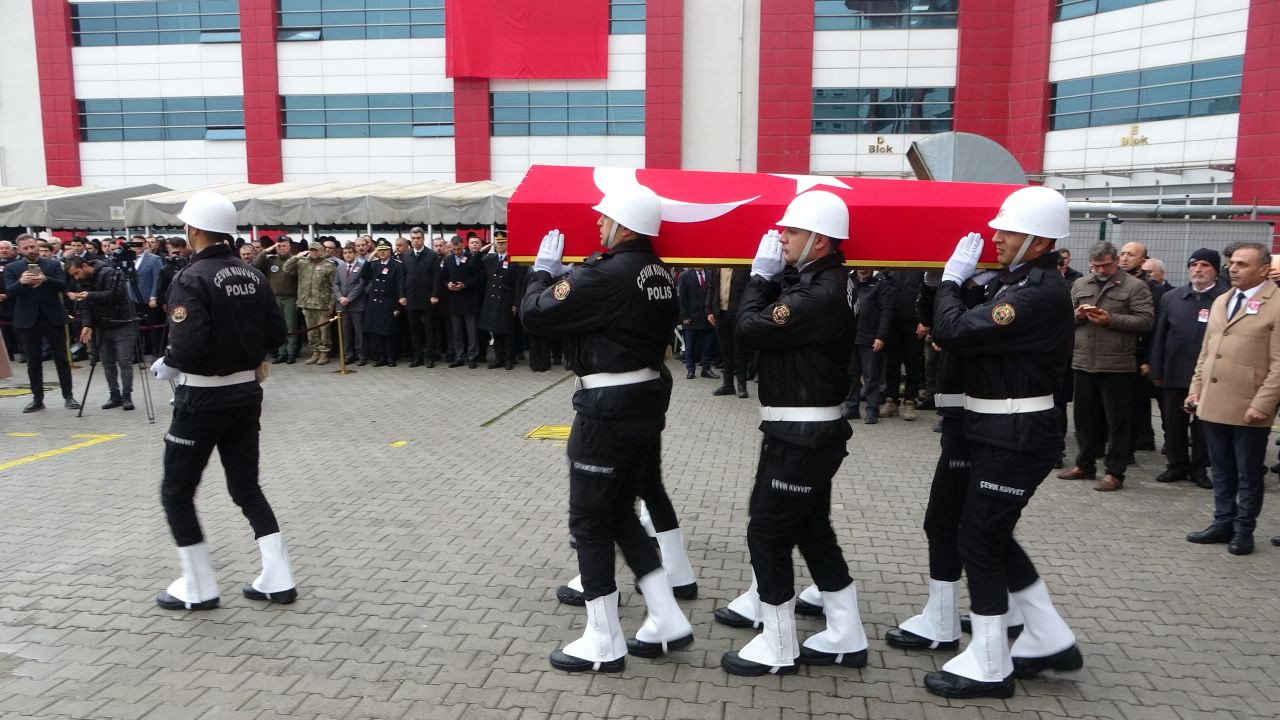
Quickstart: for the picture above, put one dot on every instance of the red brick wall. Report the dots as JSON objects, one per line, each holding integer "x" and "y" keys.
{"x": 263, "y": 121}
{"x": 58, "y": 107}
{"x": 786, "y": 86}
{"x": 471, "y": 129}
{"x": 663, "y": 85}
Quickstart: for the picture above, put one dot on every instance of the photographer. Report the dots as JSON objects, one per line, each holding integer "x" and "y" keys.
{"x": 107, "y": 322}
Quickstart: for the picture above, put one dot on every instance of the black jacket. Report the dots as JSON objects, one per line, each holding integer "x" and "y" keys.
{"x": 803, "y": 328}
{"x": 1017, "y": 343}
{"x": 503, "y": 280}
{"x": 693, "y": 299}
{"x": 465, "y": 269}
{"x": 615, "y": 311}
{"x": 905, "y": 288}
{"x": 222, "y": 315}
{"x": 949, "y": 374}
{"x": 419, "y": 278}
{"x": 872, "y": 307}
{"x": 1158, "y": 289}
{"x": 737, "y": 283}
{"x": 107, "y": 303}
{"x": 36, "y": 305}
{"x": 383, "y": 288}
{"x": 1179, "y": 331}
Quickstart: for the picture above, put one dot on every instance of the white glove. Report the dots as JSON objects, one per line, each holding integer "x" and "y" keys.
{"x": 964, "y": 261}
{"x": 768, "y": 263}
{"x": 164, "y": 372}
{"x": 549, "y": 254}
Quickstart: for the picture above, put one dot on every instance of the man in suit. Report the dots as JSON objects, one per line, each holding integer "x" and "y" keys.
{"x": 1235, "y": 392}
{"x": 699, "y": 340}
{"x": 36, "y": 287}
{"x": 724, "y": 293}
{"x": 420, "y": 265}
{"x": 348, "y": 288}
{"x": 461, "y": 280}
{"x": 146, "y": 296}
{"x": 499, "y": 313}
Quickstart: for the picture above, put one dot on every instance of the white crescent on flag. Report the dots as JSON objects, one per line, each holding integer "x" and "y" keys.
{"x": 622, "y": 179}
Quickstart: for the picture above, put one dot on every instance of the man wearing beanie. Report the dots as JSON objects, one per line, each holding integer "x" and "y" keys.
{"x": 1179, "y": 331}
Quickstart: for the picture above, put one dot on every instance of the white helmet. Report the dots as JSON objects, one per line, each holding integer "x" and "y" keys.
{"x": 637, "y": 209}
{"x": 818, "y": 211}
{"x": 1034, "y": 210}
{"x": 210, "y": 212}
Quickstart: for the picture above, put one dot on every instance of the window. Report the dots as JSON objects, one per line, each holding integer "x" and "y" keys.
{"x": 1068, "y": 9}
{"x": 1210, "y": 87}
{"x": 584, "y": 112}
{"x": 884, "y": 14}
{"x": 184, "y": 118}
{"x": 155, "y": 23}
{"x": 360, "y": 19}
{"x": 626, "y": 17}
{"x": 366, "y": 116}
{"x": 881, "y": 111}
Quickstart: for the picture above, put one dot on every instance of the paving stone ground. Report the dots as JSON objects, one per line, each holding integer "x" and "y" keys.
{"x": 428, "y": 537}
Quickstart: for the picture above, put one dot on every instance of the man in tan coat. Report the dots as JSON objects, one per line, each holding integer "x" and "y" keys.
{"x": 1235, "y": 391}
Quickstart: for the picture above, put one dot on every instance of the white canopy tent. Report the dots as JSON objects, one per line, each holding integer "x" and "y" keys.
{"x": 69, "y": 208}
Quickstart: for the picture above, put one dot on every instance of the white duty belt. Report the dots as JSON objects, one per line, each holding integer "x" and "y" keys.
{"x": 604, "y": 380}
{"x": 238, "y": 378}
{"x": 800, "y": 414}
{"x": 1008, "y": 406}
{"x": 948, "y": 400}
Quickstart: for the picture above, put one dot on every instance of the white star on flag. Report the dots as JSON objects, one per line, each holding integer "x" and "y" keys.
{"x": 808, "y": 182}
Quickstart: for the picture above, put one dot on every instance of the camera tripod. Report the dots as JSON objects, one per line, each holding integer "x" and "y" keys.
{"x": 123, "y": 265}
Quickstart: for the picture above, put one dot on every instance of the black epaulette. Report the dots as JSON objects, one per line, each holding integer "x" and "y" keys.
{"x": 595, "y": 258}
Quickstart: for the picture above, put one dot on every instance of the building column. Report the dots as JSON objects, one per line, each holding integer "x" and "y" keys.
{"x": 1257, "y": 177}
{"x": 263, "y": 120}
{"x": 786, "y": 86}
{"x": 471, "y": 129}
{"x": 663, "y": 83}
{"x": 58, "y": 107}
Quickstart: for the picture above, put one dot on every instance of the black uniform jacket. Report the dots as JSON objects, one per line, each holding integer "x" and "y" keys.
{"x": 503, "y": 281}
{"x": 873, "y": 308}
{"x": 616, "y": 312}
{"x": 1179, "y": 331}
{"x": 1015, "y": 344}
{"x": 949, "y": 378}
{"x": 222, "y": 315}
{"x": 803, "y": 328}
{"x": 383, "y": 288}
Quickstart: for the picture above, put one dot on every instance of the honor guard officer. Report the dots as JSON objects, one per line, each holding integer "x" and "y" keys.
{"x": 1015, "y": 346}
{"x": 222, "y": 321}
{"x": 802, "y": 327}
{"x": 615, "y": 312}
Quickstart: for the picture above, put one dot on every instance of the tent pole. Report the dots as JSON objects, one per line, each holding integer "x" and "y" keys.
{"x": 253, "y": 233}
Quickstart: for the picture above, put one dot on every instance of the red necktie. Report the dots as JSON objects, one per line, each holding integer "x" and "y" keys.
{"x": 702, "y": 282}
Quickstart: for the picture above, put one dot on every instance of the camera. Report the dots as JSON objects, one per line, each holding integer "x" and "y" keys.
{"x": 124, "y": 254}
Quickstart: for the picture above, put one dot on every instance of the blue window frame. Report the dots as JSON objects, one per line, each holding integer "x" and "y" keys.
{"x": 581, "y": 112}
{"x": 882, "y": 111}
{"x": 884, "y": 14}
{"x": 1068, "y": 9}
{"x": 360, "y": 19}
{"x": 168, "y": 22}
{"x": 181, "y": 118}
{"x": 380, "y": 115}
{"x": 626, "y": 17}
{"x": 1210, "y": 87}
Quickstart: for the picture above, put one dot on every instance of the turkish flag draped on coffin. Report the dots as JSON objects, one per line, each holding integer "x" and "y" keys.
{"x": 526, "y": 39}
{"x": 717, "y": 218}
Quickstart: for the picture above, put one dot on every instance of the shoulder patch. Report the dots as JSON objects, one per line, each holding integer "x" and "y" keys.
{"x": 1002, "y": 314}
{"x": 560, "y": 290}
{"x": 275, "y": 268}
{"x": 178, "y": 313}
{"x": 781, "y": 314}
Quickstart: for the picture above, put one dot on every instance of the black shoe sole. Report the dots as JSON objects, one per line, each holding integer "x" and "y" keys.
{"x": 569, "y": 663}
{"x": 284, "y": 597}
{"x": 732, "y": 619}
{"x": 169, "y": 602}
{"x": 735, "y": 665}
{"x": 1064, "y": 661}
{"x": 907, "y": 640}
{"x": 808, "y": 609}
{"x": 568, "y": 596}
{"x": 950, "y": 685}
{"x": 815, "y": 657}
{"x": 643, "y": 649}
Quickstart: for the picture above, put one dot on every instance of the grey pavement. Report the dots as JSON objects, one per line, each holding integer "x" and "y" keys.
{"x": 428, "y": 537}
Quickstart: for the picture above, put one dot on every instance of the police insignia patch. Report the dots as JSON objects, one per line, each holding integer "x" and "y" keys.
{"x": 781, "y": 314}
{"x": 1002, "y": 314}
{"x": 178, "y": 314}
{"x": 560, "y": 290}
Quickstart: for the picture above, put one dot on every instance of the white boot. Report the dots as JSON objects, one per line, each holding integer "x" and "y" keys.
{"x": 665, "y": 626}
{"x": 197, "y": 589}
{"x": 937, "y": 627}
{"x": 744, "y": 611}
{"x": 809, "y": 601}
{"x": 276, "y": 581}
{"x": 602, "y": 647}
{"x": 1013, "y": 617}
{"x": 1046, "y": 643}
{"x": 675, "y": 561}
{"x": 774, "y": 650}
{"x": 646, "y": 520}
{"x": 984, "y": 669}
{"x": 844, "y": 642}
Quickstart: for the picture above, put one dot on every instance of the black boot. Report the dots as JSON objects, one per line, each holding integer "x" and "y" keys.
{"x": 112, "y": 402}
{"x": 127, "y": 402}
{"x": 742, "y": 388}
{"x": 726, "y": 389}
{"x": 950, "y": 685}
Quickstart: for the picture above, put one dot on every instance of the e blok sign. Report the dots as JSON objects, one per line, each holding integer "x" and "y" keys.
{"x": 717, "y": 218}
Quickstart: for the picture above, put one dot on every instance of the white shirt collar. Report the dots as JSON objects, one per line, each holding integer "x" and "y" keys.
{"x": 1248, "y": 294}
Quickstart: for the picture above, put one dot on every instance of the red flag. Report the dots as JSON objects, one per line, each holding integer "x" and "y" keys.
{"x": 717, "y": 218}
{"x": 526, "y": 39}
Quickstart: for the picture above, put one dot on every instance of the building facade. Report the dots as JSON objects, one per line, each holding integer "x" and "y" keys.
{"x": 1125, "y": 99}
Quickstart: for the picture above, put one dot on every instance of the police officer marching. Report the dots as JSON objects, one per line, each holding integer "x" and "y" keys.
{"x": 801, "y": 323}
{"x": 222, "y": 320}
{"x": 1015, "y": 347}
{"x": 615, "y": 312}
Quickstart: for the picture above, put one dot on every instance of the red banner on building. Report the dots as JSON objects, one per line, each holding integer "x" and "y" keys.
{"x": 527, "y": 39}
{"x": 717, "y": 218}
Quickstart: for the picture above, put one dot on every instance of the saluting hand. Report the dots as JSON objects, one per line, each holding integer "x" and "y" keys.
{"x": 964, "y": 261}
{"x": 550, "y": 252}
{"x": 769, "y": 262}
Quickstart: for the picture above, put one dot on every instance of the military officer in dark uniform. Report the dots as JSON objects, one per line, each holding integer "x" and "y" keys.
{"x": 222, "y": 320}
{"x": 1014, "y": 348}
{"x": 615, "y": 312}
{"x": 501, "y": 306}
{"x": 800, "y": 322}
{"x": 383, "y": 279}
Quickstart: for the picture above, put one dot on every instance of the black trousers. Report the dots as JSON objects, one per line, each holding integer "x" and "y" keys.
{"x": 865, "y": 372}
{"x": 539, "y": 353}
{"x": 56, "y": 336}
{"x": 946, "y": 502}
{"x": 902, "y": 347}
{"x": 422, "y": 337}
{"x": 1000, "y": 484}
{"x": 382, "y": 347}
{"x": 606, "y": 473}
{"x": 1238, "y": 454}
{"x": 441, "y": 334}
{"x": 1103, "y": 409}
{"x": 1183, "y": 434}
{"x": 790, "y": 508}
{"x": 205, "y": 418}
{"x": 733, "y": 355}
{"x": 504, "y": 348}
{"x": 1140, "y": 429}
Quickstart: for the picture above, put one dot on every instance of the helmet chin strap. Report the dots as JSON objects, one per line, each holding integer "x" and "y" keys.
{"x": 1022, "y": 251}
{"x": 610, "y": 240}
{"x": 804, "y": 256}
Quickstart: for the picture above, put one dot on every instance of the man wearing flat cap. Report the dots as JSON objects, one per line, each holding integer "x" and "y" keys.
{"x": 383, "y": 278}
